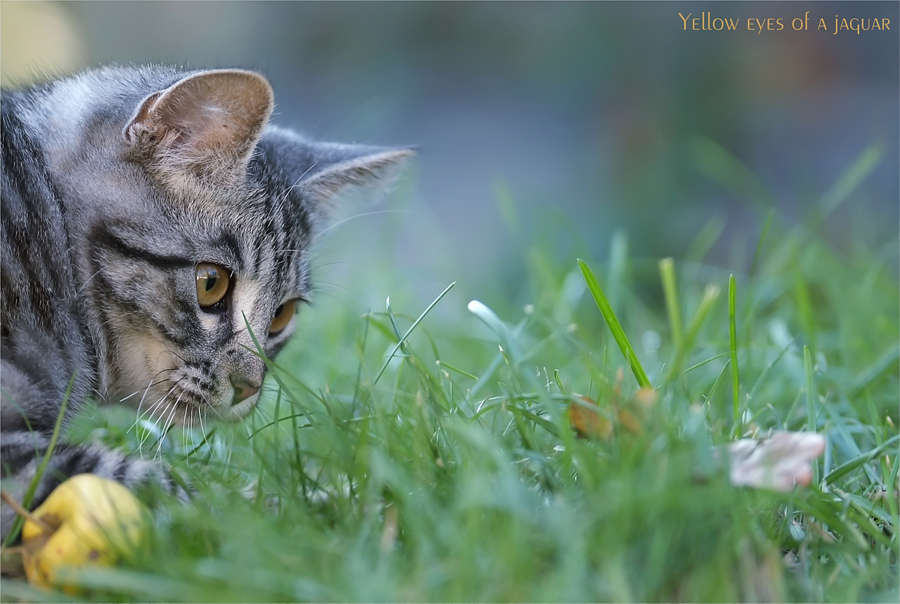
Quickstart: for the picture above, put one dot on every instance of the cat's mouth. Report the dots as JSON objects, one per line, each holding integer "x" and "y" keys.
{"x": 187, "y": 394}
{"x": 188, "y": 401}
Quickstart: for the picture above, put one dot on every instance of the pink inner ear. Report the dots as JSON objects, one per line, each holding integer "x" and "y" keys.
{"x": 211, "y": 115}
{"x": 199, "y": 122}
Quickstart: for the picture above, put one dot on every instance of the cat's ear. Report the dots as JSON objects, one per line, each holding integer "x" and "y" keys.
{"x": 205, "y": 125}
{"x": 340, "y": 172}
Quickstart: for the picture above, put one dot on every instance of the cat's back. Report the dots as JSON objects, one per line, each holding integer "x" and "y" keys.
{"x": 34, "y": 238}
{"x": 39, "y": 323}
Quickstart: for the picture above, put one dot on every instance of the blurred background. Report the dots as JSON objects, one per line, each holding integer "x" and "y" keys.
{"x": 539, "y": 124}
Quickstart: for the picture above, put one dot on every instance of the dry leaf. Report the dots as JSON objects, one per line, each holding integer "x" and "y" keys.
{"x": 629, "y": 421}
{"x": 645, "y": 399}
{"x": 589, "y": 423}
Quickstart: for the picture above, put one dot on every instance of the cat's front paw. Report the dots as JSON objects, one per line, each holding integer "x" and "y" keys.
{"x": 151, "y": 481}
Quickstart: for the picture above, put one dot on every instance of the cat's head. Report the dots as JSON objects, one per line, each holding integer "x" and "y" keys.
{"x": 213, "y": 266}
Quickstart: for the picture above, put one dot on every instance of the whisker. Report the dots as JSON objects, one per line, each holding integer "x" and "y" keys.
{"x": 361, "y": 215}
{"x": 141, "y": 403}
{"x": 202, "y": 427}
{"x": 168, "y": 426}
{"x": 185, "y": 424}
{"x": 146, "y": 390}
{"x": 216, "y": 411}
{"x": 87, "y": 281}
{"x": 157, "y": 405}
{"x": 138, "y": 414}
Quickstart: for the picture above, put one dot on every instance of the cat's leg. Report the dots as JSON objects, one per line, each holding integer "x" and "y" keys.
{"x": 23, "y": 454}
{"x": 28, "y": 423}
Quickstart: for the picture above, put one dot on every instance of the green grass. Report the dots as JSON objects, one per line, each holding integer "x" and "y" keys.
{"x": 422, "y": 452}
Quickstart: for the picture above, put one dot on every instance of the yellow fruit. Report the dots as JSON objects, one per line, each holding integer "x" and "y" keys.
{"x": 87, "y": 520}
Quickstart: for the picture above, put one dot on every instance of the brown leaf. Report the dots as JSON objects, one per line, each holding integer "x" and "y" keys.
{"x": 589, "y": 423}
{"x": 645, "y": 399}
{"x": 630, "y": 422}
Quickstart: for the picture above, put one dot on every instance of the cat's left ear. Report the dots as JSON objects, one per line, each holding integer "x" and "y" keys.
{"x": 341, "y": 172}
{"x": 205, "y": 126}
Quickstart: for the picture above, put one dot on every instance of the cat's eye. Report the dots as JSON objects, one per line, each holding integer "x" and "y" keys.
{"x": 282, "y": 316}
{"x": 212, "y": 284}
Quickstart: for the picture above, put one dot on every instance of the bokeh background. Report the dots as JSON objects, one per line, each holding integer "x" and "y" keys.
{"x": 539, "y": 124}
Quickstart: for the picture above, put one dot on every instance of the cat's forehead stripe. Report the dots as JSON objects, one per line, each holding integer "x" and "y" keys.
{"x": 111, "y": 241}
{"x": 228, "y": 240}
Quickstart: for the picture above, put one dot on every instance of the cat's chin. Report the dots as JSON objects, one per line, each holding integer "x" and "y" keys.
{"x": 238, "y": 411}
{"x": 193, "y": 415}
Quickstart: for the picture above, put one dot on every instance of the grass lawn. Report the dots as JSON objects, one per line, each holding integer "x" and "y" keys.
{"x": 425, "y": 453}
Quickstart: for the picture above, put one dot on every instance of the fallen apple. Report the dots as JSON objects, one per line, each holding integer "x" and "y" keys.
{"x": 85, "y": 520}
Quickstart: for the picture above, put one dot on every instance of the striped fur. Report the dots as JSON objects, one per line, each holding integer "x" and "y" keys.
{"x": 116, "y": 184}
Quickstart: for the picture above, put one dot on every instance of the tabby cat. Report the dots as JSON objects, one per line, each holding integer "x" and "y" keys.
{"x": 151, "y": 220}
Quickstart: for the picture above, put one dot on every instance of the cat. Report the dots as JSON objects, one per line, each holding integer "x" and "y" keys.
{"x": 153, "y": 223}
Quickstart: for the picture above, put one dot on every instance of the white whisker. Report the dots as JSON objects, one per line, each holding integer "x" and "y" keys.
{"x": 141, "y": 403}
{"x": 202, "y": 428}
{"x": 157, "y": 405}
{"x": 361, "y": 215}
{"x": 87, "y": 281}
{"x": 167, "y": 426}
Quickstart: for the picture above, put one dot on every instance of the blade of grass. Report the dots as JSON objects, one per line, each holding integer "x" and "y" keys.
{"x": 828, "y": 511}
{"x": 710, "y": 295}
{"x": 456, "y": 369}
{"x": 706, "y": 237}
{"x": 732, "y": 343}
{"x": 508, "y": 341}
{"x": 559, "y": 381}
{"x": 892, "y": 479}
{"x": 401, "y": 343}
{"x": 886, "y": 363}
{"x": 716, "y": 163}
{"x": 381, "y": 327}
{"x": 805, "y": 309}
{"x": 856, "y": 462}
{"x": 279, "y": 372}
{"x": 810, "y": 405}
{"x": 507, "y": 205}
{"x": 486, "y": 375}
{"x": 410, "y": 330}
{"x": 495, "y": 364}
{"x": 718, "y": 381}
{"x": 670, "y": 291}
{"x": 762, "y": 238}
{"x": 842, "y": 433}
{"x": 614, "y": 326}
{"x": 32, "y": 487}
{"x": 847, "y": 182}
{"x": 618, "y": 262}
{"x": 706, "y": 361}
{"x": 762, "y": 376}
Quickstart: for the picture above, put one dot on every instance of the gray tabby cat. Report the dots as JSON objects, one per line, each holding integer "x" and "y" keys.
{"x": 149, "y": 216}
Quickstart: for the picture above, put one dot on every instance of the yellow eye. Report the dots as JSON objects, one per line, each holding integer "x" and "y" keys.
{"x": 212, "y": 284}
{"x": 282, "y": 316}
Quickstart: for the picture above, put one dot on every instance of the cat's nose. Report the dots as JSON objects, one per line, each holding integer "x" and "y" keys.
{"x": 242, "y": 390}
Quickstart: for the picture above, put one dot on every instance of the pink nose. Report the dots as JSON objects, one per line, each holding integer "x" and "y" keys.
{"x": 243, "y": 390}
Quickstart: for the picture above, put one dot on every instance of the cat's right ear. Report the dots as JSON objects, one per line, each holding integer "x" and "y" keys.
{"x": 204, "y": 126}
